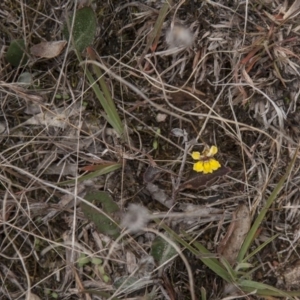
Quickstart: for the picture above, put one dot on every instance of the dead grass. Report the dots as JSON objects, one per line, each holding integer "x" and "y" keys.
{"x": 237, "y": 87}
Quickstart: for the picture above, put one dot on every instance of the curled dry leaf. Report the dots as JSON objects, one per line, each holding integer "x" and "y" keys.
{"x": 48, "y": 49}
{"x": 131, "y": 262}
{"x": 151, "y": 174}
{"x": 58, "y": 118}
{"x": 231, "y": 244}
{"x": 159, "y": 195}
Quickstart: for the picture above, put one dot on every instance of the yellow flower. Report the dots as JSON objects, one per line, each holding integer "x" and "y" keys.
{"x": 206, "y": 163}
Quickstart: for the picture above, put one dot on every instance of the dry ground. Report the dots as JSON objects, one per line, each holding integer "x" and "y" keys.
{"x": 234, "y": 83}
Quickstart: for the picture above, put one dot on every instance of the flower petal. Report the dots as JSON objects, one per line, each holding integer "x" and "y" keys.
{"x": 198, "y": 166}
{"x": 207, "y": 167}
{"x": 212, "y": 151}
{"x": 196, "y": 155}
{"x": 214, "y": 164}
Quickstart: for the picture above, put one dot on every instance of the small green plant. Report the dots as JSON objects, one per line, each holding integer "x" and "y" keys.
{"x": 104, "y": 95}
{"x": 84, "y": 260}
{"x": 83, "y": 33}
{"x": 51, "y": 294}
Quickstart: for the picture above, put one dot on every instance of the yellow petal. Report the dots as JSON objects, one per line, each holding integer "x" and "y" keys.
{"x": 196, "y": 155}
{"x": 206, "y": 167}
{"x": 214, "y": 164}
{"x": 198, "y": 166}
{"x": 212, "y": 151}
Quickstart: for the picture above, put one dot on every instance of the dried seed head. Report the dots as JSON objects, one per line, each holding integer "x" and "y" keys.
{"x": 136, "y": 218}
{"x": 179, "y": 36}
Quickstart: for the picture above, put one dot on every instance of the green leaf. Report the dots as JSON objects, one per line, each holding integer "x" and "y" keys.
{"x": 83, "y": 260}
{"x": 161, "y": 250}
{"x": 103, "y": 220}
{"x": 54, "y": 295}
{"x": 84, "y": 29}
{"x": 16, "y": 54}
{"x": 101, "y": 171}
{"x": 96, "y": 261}
{"x": 106, "y": 278}
{"x": 206, "y": 257}
{"x": 243, "y": 266}
{"x": 203, "y": 293}
{"x": 103, "y": 94}
{"x": 260, "y": 247}
{"x": 263, "y": 289}
{"x": 229, "y": 269}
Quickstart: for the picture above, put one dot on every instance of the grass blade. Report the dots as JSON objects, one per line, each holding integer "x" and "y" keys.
{"x": 263, "y": 212}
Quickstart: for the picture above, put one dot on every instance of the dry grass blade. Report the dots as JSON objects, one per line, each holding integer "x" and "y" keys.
{"x": 155, "y": 33}
{"x": 293, "y": 11}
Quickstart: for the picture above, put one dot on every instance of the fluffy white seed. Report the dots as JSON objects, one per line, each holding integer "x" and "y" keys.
{"x": 179, "y": 36}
